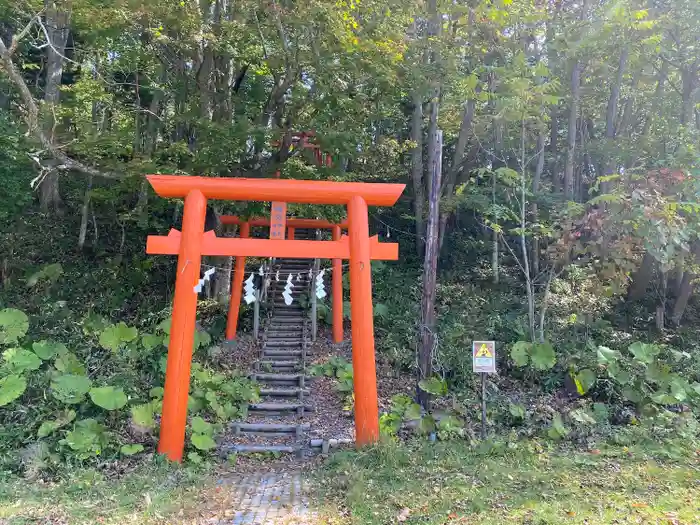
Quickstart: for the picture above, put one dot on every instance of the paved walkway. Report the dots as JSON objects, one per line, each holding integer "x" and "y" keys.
{"x": 268, "y": 499}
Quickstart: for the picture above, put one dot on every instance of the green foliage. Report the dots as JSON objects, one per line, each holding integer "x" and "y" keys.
{"x": 339, "y": 368}
{"x": 108, "y": 397}
{"x": 143, "y": 416}
{"x": 366, "y": 68}
{"x": 202, "y": 433}
{"x": 402, "y": 409}
{"x": 517, "y": 411}
{"x": 49, "y": 273}
{"x": 13, "y": 325}
{"x": 87, "y": 439}
{"x": 132, "y": 449}
{"x": 49, "y": 427}
{"x": 219, "y": 395}
{"x": 70, "y": 388}
{"x": 433, "y": 385}
{"x": 540, "y": 355}
{"x": 69, "y": 363}
{"x": 557, "y": 429}
{"x": 11, "y": 387}
{"x": 115, "y": 336}
{"x": 151, "y": 341}
{"x": 584, "y": 380}
{"x": 48, "y": 350}
{"x": 18, "y": 360}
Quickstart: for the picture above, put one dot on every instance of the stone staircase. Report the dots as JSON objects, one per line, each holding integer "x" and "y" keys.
{"x": 276, "y": 423}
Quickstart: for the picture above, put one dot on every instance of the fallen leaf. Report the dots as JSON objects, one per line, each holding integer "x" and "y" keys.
{"x": 403, "y": 515}
{"x": 570, "y": 513}
{"x": 640, "y": 505}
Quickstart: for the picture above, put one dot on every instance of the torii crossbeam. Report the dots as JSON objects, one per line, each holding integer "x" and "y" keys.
{"x": 192, "y": 243}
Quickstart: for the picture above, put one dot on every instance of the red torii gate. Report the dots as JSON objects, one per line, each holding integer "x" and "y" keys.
{"x": 193, "y": 243}
{"x": 292, "y": 224}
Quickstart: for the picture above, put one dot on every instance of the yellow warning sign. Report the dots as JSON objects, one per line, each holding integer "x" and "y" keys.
{"x": 483, "y": 351}
{"x": 484, "y": 357}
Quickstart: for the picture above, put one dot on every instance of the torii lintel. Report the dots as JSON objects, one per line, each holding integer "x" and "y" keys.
{"x": 223, "y": 246}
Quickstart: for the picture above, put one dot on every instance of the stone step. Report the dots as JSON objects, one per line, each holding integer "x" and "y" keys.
{"x": 276, "y": 355}
{"x": 269, "y": 429}
{"x": 281, "y": 366}
{"x": 282, "y": 322}
{"x": 278, "y": 407}
{"x": 284, "y": 335}
{"x": 283, "y": 358}
{"x": 281, "y": 380}
{"x": 262, "y": 376}
{"x": 281, "y": 344}
{"x": 279, "y": 319}
{"x": 253, "y": 449}
{"x": 283, "y": 392}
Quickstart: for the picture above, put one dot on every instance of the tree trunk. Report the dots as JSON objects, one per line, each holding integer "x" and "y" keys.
{"x": 536, "y": 179}
{"x": 689, "y": 79}
{"x": 610, "y": 116}
{"x": 686, "y": 289}
{"x": 84, "y": 214}
{"x": 435, "y": 89}
{"x": 465, "y": 131}
{"x": 553, "y": 149}
{"x": 494, "y": 241}
{"x": 57, "y": 29}
{"x": 417, "y": 172}
{"x": 658, "y": 94}
{"x": 428, "y": 317}
{"x": 641, "y": 279}
{"x": 573, "y": 119}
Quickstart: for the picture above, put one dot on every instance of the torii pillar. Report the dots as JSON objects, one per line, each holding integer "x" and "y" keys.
{"x": 363, "y": 360}
{"x": 234, "y": 305}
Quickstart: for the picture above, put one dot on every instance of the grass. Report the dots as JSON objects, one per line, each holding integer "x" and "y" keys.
{"x": 451, "y": 482}
{"x": 154, "y": 493}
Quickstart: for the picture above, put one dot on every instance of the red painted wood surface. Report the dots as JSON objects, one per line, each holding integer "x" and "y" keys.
{"x": 286, "y": 190}
{"x": 223, "y": 246}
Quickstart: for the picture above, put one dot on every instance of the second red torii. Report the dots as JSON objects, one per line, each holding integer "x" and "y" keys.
{"x": 383, "y": 252}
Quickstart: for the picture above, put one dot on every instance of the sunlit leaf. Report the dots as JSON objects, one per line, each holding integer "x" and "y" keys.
{"x": 11, "y": 387}
{"x": 108, "y": 397}
{"x": 13, "y": 325}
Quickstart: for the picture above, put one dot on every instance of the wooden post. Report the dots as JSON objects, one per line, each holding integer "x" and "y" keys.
{"x": 236, "y": 288}
{"x": 291, "y": 230}
{"x": 314, "y": 300}
{"x": 177, "y": 374}
{"x": 256, "y": 315}
{"x": 364, "y": 368}
{"x": 337, "y": 293}
{"x": 430, "y": 272}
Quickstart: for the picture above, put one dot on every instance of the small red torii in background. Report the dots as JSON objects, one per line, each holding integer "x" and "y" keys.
{"x": 277, "y": 223}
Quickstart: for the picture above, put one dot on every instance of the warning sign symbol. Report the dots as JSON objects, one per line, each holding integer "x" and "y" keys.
{"x": 484, "y": 357}
{"x": 483, "y": 351}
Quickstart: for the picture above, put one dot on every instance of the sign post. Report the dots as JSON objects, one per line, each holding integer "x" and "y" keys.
{"x": 483, "y": 362}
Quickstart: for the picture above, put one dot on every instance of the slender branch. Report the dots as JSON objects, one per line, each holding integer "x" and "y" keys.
{"x": 50, "y": 43}
{"x": 280, "y": 28}
{"x": 16, "y": 39}
{"x": 32, "y": 120}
